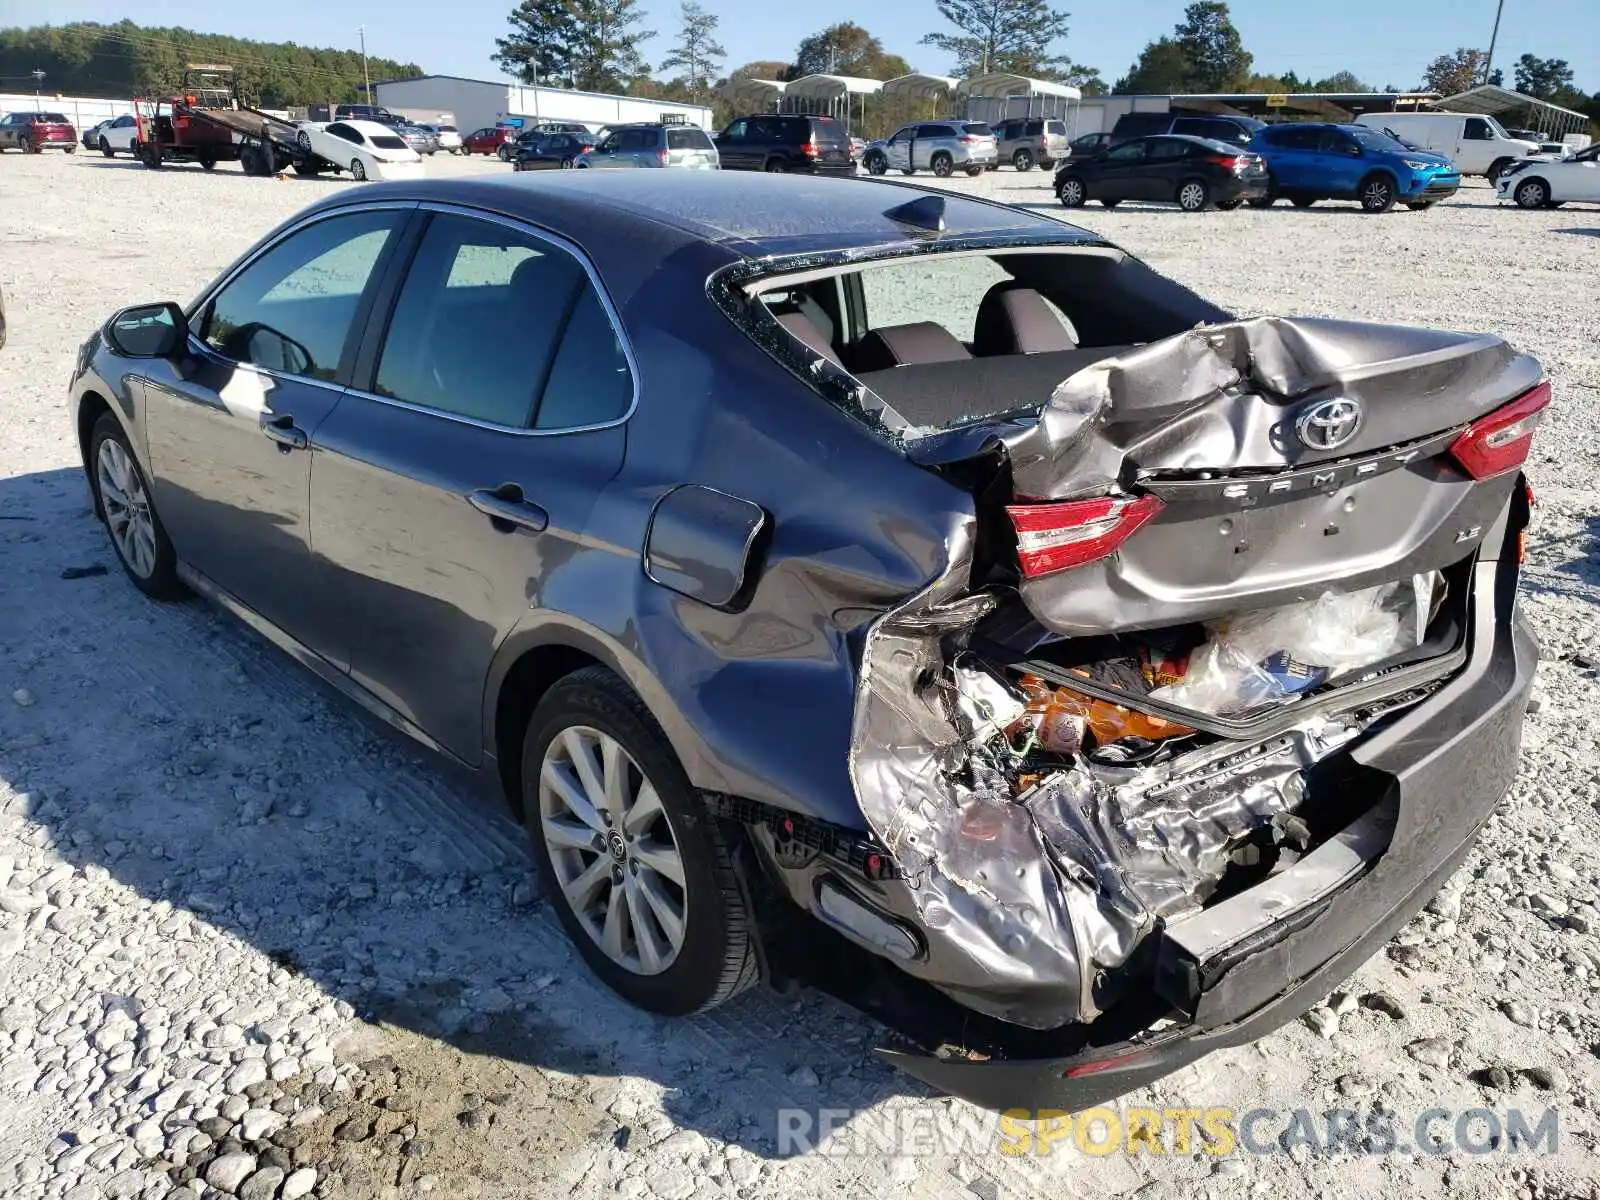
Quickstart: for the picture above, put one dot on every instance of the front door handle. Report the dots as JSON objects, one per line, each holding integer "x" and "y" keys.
{"x": 508, "y": 510}
{"x": 285, "y": 432}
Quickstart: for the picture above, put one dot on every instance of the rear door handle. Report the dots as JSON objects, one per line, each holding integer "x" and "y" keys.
{"x": 285, "y": 432}
{"x": 508, "y": 510}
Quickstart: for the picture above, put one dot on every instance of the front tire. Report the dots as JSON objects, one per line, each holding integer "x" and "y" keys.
{"x": 105, "y": 149}
{"x": 637, "y": 870}
{"x": 1022, "y": 160}
{"x": 1072, "y": 192}
{"x": 566, "y": 164}
{"x": 943, "y": 165}
{"x": 123, "y": 500}
{"x": 776, "y": 166}
{"x": 974, "y": 171}
{"x": 1194, "y": 196}
{"x": 1532, "y": 193}
{"x": 877, "y": 164}
{"x": 1377, "y": 194}
{"x": 505, "y": 155}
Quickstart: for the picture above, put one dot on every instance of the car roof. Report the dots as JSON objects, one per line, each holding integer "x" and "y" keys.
{"x": 368, "y": 127}
{"x": 754, "y": 213}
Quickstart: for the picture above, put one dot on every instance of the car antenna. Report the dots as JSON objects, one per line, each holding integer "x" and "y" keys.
{"x": 925, "y": 212}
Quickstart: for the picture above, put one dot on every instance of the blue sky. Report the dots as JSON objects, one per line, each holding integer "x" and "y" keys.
{"x": 1382, "y": 41}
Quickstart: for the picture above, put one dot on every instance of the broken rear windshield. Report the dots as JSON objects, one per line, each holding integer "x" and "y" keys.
{"x": 945, "y": 339}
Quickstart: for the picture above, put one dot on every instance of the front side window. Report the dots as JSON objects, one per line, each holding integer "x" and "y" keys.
{"x": 1478, "y": 130}
{"x": 482, "y": 326}
{"x": 734, "y": 131}
{"x": 294, "y": 308}
{"x": 1334, "y": 142}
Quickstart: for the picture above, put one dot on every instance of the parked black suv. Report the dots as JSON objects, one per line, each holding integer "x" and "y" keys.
{"x": 1218, "y": 129}
{"x": 778, "y": 143}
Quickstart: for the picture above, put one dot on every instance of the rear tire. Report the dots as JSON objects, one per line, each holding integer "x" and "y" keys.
{"x": 72, "y": 148}
{"x": 1193, "y": 195}
{"x": 124, "y": 502}
{"x": 943, "y": 165}
{"x": 908, "y": 170}
{"x": 1303, "y": 201}
{"x": 505, "y": 155}
{"x": 1377, "y": 194}
{"x": 776, "y": 166}
{"x": 29, "y": 146}
{"x": 208, "y": 164}
{"x": 1022, "y": 160}
{"x": 303, "y": 140}
{"x": 566, "y": 164}
{"x": 974, "y": 171}
{"x": 1419, "y": 205}
{"x": 358, "y": 170}
{"x": 586, "y": 720}
{"x": 1532, "y": 193}
{"x": 1228, "y": 205}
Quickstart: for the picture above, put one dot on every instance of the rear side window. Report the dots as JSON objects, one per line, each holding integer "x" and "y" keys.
{"x": 482, "y": 326}
{"x": 1170, "y": 148}
{"x": 293, "y": 309}
{"x": 387, "y": 141}
{"x": 1035, "y": 128}
{"x": 687, "y": 139}
{"x": 590, "y": 383}
{"x": 935, "y": 131}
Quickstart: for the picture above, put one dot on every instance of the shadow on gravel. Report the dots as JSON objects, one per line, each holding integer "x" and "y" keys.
{"x": 1594, "y": 233}
{"x": 207, "y": 771}
{"x": 1576, "y": 574}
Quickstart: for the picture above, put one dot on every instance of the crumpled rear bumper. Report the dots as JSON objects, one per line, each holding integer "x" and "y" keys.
{"x": 1441, "y": 769}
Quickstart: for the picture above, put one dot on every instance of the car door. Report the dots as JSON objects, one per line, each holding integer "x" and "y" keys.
{"x": 1339, "y": 163}
{"x": 731, "y": 145}
{"x": 229, "y": 432}
{"x": 8, "y": 132}
{"x": 450, "y": 489}
{"x": 1576, "y": 179}
{"x": 930, "y": 140}
{"x": 1475, "y": 146}
{"x": 899, "y": 147}
{"x": 1165, "y": 164}
{"x": 1116, "y": 175}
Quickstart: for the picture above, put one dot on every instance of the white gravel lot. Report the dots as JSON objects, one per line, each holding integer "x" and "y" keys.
{"x": 224, "y": 892}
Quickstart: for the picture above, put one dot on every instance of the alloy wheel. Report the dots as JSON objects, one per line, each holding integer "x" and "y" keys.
{"x": 358, "y": 170}
{"x": 1376, "y": 196}
{"x": 127, "y": 508}
{"x": 1192, "y": 197}
{"x": 1072, "y": 193}
{"x": 613, "y": 850}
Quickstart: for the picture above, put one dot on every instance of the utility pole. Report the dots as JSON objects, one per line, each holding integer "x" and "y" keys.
{"x": 1488, "y": 63}
{"x": 366, "y": 80}
{"x": 38, "y": 78}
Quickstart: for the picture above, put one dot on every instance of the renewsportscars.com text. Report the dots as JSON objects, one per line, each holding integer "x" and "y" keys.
{"x": 930, "y": 1129}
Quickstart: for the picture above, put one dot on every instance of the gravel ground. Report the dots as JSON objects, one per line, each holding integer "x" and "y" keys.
{"x": 252, "y": 944}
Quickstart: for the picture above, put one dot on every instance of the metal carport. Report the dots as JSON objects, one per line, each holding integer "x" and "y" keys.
{"x": 830, "y": 95}
{"x": 1000, "y": 95}
{"x": 1515, "y": 108}
{"x": 747, "y": 96}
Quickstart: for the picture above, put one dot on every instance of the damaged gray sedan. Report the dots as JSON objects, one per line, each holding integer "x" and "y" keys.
{"x": 858, "y": 584}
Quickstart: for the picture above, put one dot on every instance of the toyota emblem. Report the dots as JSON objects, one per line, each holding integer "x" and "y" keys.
{"x": 1328, "y": 425}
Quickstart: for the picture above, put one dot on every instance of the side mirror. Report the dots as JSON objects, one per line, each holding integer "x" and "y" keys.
{"x": 148, "y": 331}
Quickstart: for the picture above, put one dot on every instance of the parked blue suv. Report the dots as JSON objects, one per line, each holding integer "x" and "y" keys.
{"x": 1314, "y": 162}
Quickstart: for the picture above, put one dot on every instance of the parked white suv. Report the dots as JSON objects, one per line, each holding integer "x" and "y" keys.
{"x": 937, "y": 146}
{"x": 448, "y": 137}
{"x": 1477, "y": 145}
{"x": 120, "y": 134}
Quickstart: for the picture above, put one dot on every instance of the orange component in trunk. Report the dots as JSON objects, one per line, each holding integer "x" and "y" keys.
{"x": 1061, "y": 717}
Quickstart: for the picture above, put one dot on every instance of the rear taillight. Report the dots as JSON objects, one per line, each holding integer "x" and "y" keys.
{"x": 1055, "y": 537}
{"x": 1227, "y": 162}
{"x": 1499, "y": 442}
{"x": 662, "y": 156}
{"x": 809, "y": 149}
{"x": 968, "y": 140}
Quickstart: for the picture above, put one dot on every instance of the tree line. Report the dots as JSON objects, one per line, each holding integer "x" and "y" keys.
{"x": 125, "y": 60}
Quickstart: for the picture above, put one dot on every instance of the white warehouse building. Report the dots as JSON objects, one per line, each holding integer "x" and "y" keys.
{"x": 477, "y": 103}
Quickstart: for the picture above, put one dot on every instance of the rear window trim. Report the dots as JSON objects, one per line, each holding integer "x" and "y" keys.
{"x": 754, "y": 288}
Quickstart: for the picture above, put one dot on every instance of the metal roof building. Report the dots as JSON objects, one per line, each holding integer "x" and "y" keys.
{"x": 1515, "y": 108}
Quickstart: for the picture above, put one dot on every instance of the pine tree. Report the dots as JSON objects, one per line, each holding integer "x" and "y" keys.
{"x": 605, "y": 44}
{"x": 697, "y": 55}
{"x": 1003, "y": 35}
{"x": 539, "y": 49}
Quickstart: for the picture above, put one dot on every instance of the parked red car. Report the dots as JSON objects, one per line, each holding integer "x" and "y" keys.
{"x": 32, "y": 132}
{"x": 488, "y": 141}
